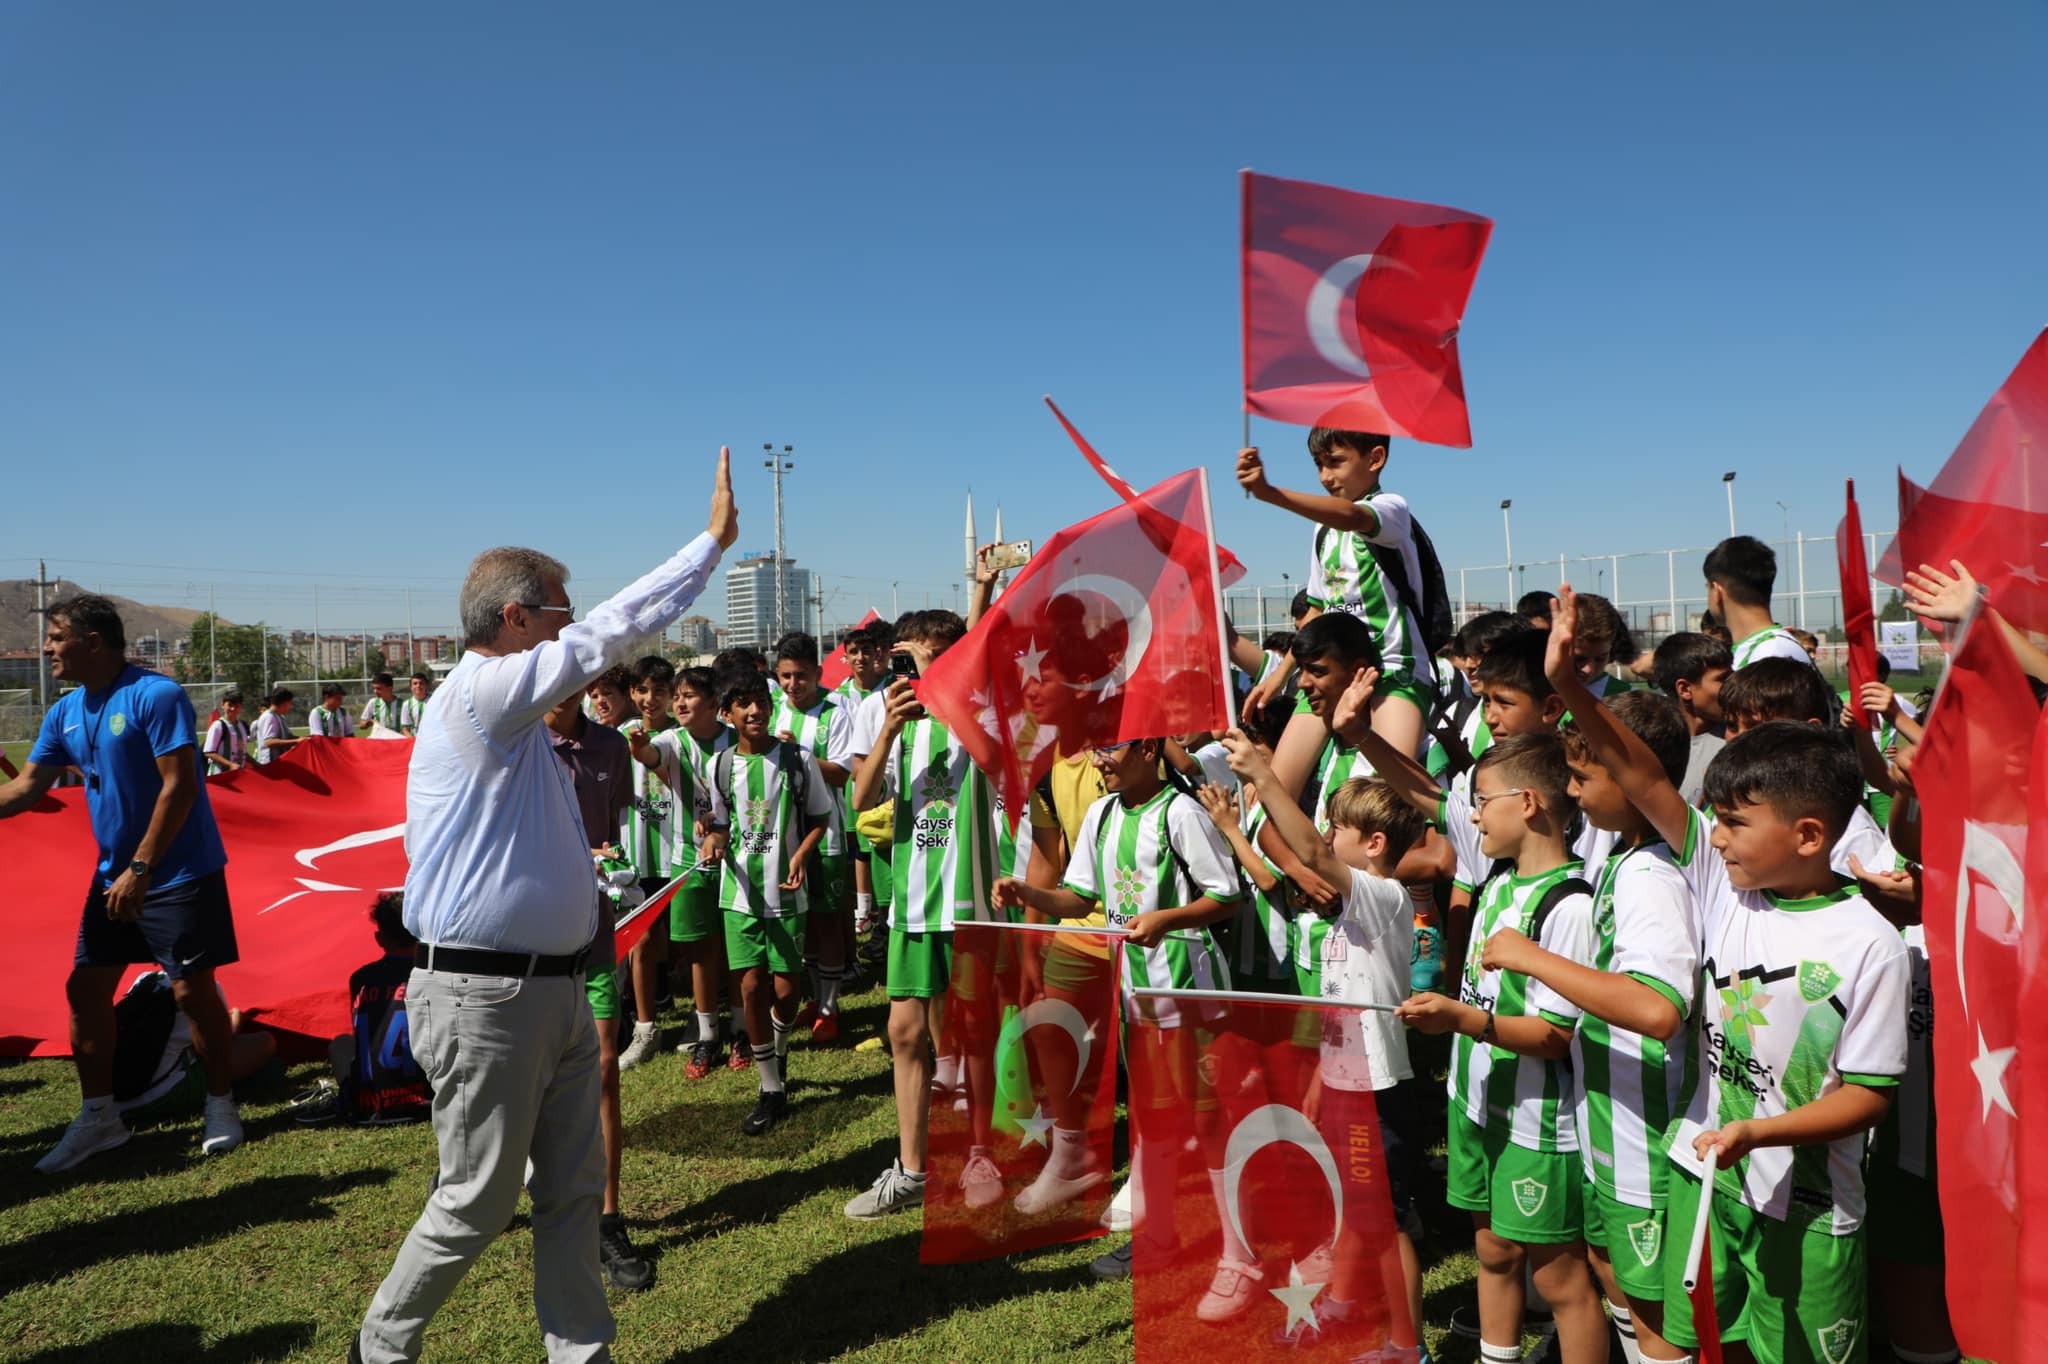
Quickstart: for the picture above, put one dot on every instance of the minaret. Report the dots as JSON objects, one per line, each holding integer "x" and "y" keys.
{"x": 968, "y": 568}
{"x": 999, "y": 523}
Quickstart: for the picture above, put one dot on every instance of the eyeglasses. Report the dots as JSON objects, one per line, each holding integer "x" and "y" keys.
{"x": 1112, "y": 749}
{"x": 1479, "y": 801}
{"x": 569, "y": 611}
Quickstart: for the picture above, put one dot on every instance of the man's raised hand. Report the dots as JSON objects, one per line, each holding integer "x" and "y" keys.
{"x": 1558, "y": 663}
{"x": 1937, "y": 596}
{"x": 1356, "y": 700}
{"x": 725, "y": 519}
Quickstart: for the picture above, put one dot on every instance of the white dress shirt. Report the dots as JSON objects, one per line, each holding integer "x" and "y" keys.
{"x": 496, "y": 842}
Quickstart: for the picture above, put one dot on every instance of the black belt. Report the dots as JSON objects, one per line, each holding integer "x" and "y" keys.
{"x": 480, "y": 961}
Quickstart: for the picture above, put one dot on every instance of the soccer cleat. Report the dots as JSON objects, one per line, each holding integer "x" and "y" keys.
{"x": 1115, "y": 1265}
{"x": 742, "y": 1055}
{"x": 893, "y": 1190}
{"x": 1054, "y": 1188}
{"x": 772, "y": 1108}
{"x": 624, "y": 1266}
{"x": 86, "y": 1136}
{"x": 825, "y": 1031}
{"x": 223, "y": 1127}
{"x": 646, "y": 1042}
{"x": 703, "y": 1060}
{"x": 981, "y": 1181}
{"x": 805, "y": 1016}
{"x": 318, "y": 1106}
{"x": 1230, "y": 1292}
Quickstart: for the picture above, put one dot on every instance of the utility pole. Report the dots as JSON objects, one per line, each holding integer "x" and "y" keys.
{"x": 412, "y": 648}
{"x": 212, "y": 637}
{"x": 779, "y": 463}
{"x": 42, "y": 628}
{"x": 1728, "y": 482}
{"x": 1507, "y": 529}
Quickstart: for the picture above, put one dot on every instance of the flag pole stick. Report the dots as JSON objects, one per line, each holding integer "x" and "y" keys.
{"x": 1698, "y": 1240}
{"x": 1216, "y": 594}
{"x": 1255, "y": 997}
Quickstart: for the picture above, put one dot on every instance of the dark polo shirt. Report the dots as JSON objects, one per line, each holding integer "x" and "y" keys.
{"x": 601, "y": 763}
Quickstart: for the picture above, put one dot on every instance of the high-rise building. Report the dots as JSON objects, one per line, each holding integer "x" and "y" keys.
{"x": 750, "y": 599}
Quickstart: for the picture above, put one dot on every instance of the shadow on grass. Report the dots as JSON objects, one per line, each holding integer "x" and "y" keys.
{"x": 175, "y": 1342}
{"x": 178, "y": 1225}
{"x": 768, "y": 1197}
{"x": 868, "y": 1293}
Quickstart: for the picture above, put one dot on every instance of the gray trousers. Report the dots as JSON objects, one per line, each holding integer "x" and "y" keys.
{"x": 514, "y": 1068}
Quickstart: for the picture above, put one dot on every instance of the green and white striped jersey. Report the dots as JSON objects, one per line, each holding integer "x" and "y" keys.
{"x": 1630, "y": 1085}
{"x": 381, "y": 712}
{"x": 1528, "y": 1099}
{"x": 1261, "y": 935}
{"x": 1343, "y": 576}
{"x": 1159, "y": 855}
{"x": 410, "y": 712}
{"x": 766, "y": 826}
{"x": 330, "y": 724}
{"x": 944, "y": 859}
{"x": 656, "y": 835}
{"x": 1905, "y": 1139}
{"x": 692, "y": 759}
{"x": 1809, "y": 995}
{"x": 810, "y": 730}
{"x": 1774, "y": 641}
{"x": 1335, "y": 765}
{"x": 1007, "y": 843}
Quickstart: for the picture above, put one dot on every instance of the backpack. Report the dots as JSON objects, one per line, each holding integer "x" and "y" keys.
{"x": 1552, "y": 898}
{"x": 143, "y": 1019}
{"x": 1432, "y": 604}
{"x": 1447, "y": 727}
{"x": 798, "y": 775}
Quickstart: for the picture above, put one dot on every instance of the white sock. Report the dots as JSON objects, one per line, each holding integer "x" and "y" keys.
{"x": 1681, "y": 1359}
{"x": 1234, "y": 1247}
{"x": 707, "y": 1026}
{"x": 828, "y": 990}
{"x": 769, "y": 1066}
{"x": 1069, "y": 1151}
{"x": 781, "y": 1039}
{"x": 1625, "y": 1327}
{"x": 1490, "y": 1353}
{"x": 97, "y": 1107}
{"x": 947, "y": 1072}
{"x": 641, "y": 1030}
{"x": 863, "y": 905}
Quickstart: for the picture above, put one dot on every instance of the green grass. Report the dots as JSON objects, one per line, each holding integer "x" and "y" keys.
{"x": 17, "y": 751}
{"x": 273, "y": 1252}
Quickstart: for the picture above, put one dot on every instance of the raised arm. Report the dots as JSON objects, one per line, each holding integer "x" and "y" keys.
{"x": 1321, "y": 508}
{"x": 25, "y": 790}
{"x": 1635, "y": 769}
{"x": 1409, "y": 779}
{"x": 1283, "y": 814}
{"x": 1940, "y": 596}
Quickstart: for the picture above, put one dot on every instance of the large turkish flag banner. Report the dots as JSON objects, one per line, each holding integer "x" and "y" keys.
{"x": 1352, "y": 304}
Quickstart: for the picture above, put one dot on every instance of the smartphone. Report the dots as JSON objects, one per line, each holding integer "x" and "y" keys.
{"x": 903, "y": 663}
{"x": 1010, "y": 554}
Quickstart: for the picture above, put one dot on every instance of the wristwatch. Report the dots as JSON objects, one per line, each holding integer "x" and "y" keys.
{"x": 138, "y": 868}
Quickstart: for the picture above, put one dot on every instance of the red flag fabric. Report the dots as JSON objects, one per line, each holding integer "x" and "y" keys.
{"x": 1352, "y": 304}
{"x": 1977, "y": 793}
{"x": 1023, "y": 1158}
{"x": 632, "y": 925}
{"x": 1706, "y": 1326}
{"x": 1859, "y": 616}
{"x": 311, "y": 839}
{"x": 833, "y": 670}
{"x": 1258, "y": 1155}
{"x": 1113, "y": 631}
{"x": 1227, "y": 563}
{"x": 1988, "y": 507}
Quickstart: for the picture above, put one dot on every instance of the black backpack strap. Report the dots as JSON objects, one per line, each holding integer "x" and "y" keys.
{"x": 1449, "y": 731}
{"x": 1552, "y": 898}
{"x": 721, "y": 780}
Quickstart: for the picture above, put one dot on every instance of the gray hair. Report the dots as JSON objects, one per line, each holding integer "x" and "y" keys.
{"x": 499, "y": 577}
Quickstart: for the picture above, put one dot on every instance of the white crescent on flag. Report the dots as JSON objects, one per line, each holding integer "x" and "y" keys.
{"x": 1137, "y": 614}
{"x": 1326, "y": 312}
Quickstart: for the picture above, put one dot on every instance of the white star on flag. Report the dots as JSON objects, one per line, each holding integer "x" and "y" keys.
{"x": 1989, "y": 1068}
{"x": 2026, "y": 573}
{"x": 1030, "y": 659}
{"x": 1298, "y": 1298}
{"x": 1036, "y": 1127}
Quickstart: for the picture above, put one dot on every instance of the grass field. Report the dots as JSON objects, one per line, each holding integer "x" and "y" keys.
{"x": 273, "y": 1252}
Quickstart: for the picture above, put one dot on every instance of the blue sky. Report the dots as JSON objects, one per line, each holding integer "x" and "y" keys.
{"x": 299, "y": 294}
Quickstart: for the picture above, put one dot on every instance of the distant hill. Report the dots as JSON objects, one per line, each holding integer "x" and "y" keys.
{"x": 19, "y": 628}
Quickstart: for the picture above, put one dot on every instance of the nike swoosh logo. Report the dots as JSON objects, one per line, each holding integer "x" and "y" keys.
{"x": 68, "y": 729}
{"x": 187, "y": 961}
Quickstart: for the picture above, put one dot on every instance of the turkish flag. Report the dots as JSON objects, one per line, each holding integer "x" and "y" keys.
{"x": 1859, "y": 617}
{"x": 1113, "y": 631}
{"x": 833, "y": 670}
{"x": 1258, "y": 1156}
{"x": 311, "y": 838}
{"x": 1227, "y": 563}
{"x": 1023, "y": 1158}
{"x": 1977, "y": 794}
{"x": 1988, "y": 507}
{"x": 1352, "y": 304}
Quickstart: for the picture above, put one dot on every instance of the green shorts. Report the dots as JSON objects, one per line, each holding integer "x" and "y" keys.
{"x": 833, "y": 890}
{"x": 693, "y": 914}
{"x": 881, "y": 877}
{"x": 1632, "y": 1238}
{"x": 1530, "y": 1197}
{"x": 602, "y": 988}
{"x": 777, "y": 944}
{"x": 1793, "y": 1292}
{"x": 1409, "y": 688}
{"x": 920, "y": 964}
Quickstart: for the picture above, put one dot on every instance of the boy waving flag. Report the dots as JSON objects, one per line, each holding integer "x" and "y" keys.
{"x": 1351, "y": 309}
{"x": 1114, "y": 631}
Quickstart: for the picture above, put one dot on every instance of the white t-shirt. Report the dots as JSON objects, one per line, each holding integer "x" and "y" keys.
{"x": 270, "y": 725}
{"x": 1365, "y": 957}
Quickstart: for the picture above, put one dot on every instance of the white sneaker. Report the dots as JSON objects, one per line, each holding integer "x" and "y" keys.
{"x": 1320, "y": 1264}
{"x": 646, "y": 1042}
{"x": 981, "y": 1181}
{"x": 1054, "y": 1187}
{"x": 223, "y": 1127}
{"x": 1230, "y": 1292}
{"x": 1117, "y": 1216}
{"x": 893, "y": 1189}
{"x": 86, "y": 1136}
